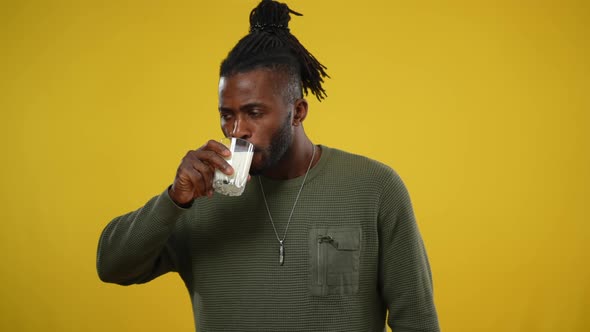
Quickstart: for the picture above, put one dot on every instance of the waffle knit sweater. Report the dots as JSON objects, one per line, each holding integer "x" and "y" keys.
{"x": 352, "y": 252}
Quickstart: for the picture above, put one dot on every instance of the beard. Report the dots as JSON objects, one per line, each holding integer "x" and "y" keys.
{"x": 279, "y": 145}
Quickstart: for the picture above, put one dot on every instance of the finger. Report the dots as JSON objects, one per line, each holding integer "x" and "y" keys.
{"x": 183, "y": 187}
{"x": 218, "y": 148}
{"x": 199, "y": 186}
{"x": 202, "y": 174}
{"x": 206, "y": 174}
{"x": 194, "y": 177}
{"x": 214, "y": 160}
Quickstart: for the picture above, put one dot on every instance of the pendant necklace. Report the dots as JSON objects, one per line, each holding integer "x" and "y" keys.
{"x": 282, "y": 240}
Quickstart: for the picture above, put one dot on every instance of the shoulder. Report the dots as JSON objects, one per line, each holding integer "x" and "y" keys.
{"x": 366, "y": 177}
{"x": 359, "y": 165}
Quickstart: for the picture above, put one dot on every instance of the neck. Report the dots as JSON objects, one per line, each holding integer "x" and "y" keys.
{"x": 296, "y": 160}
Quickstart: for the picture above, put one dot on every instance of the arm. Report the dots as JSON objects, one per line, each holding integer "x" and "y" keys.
{"x": 141, "y": 245}
{"x": 405, "y": 277}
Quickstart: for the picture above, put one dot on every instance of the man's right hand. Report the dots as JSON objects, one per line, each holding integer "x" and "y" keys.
{"x": 194, "y": 177}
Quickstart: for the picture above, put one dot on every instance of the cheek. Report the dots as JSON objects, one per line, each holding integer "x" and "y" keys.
{"x": 265, "y": 131}
{"x": 261, "y": 135}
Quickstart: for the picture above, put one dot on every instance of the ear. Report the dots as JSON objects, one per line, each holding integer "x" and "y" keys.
{"x": 300, "y": 108}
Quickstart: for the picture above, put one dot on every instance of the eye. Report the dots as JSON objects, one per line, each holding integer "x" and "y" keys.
{"x": 225, "y": 115}
{"x": 254, "y": 113}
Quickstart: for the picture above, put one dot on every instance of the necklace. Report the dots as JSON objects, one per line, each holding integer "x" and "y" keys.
{"x": 282, "y": 240}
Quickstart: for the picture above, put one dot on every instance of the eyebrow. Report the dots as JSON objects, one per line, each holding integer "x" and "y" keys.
{"x": 243, "y": 108}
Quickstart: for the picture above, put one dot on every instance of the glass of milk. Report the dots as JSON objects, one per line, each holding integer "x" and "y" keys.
{"x": 240, "y": 159}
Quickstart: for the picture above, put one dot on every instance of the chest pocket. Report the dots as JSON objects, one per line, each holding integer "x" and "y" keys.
{"x": 334, "y": 256}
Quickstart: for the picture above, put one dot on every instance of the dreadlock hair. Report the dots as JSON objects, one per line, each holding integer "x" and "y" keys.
{"x": 270, "y": 44}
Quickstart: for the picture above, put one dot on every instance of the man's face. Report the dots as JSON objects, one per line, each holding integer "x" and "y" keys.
{"x": 252, "y": 107}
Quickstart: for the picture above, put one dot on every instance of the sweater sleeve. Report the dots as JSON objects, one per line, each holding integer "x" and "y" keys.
{"x": 141, "y": 245}
{"x": 405, "y": 276}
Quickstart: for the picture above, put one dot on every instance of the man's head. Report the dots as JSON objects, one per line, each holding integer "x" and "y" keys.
{"x": 262, "y": 82}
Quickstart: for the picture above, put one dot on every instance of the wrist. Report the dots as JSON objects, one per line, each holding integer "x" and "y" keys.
{"x": 180, "y": 204}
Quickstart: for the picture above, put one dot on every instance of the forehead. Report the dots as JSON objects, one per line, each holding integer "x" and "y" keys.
{"x": 254, "y": 85}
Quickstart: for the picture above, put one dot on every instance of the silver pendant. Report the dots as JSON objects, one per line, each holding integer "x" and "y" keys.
{"x": 281, "y": 253}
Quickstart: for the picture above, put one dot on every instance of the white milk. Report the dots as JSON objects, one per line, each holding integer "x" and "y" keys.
{"x": 233, "y": 185}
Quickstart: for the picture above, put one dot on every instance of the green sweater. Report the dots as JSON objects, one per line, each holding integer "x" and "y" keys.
{"x": 352, "y": 252}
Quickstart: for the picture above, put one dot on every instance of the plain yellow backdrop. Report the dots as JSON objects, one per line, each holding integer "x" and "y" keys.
{"x": 481, "y": 106}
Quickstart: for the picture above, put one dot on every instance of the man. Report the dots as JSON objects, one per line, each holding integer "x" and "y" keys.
{"x": 320, "y": 240}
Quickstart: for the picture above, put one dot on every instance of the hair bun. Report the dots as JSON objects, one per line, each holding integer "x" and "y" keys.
{"x": 271, "y": 15}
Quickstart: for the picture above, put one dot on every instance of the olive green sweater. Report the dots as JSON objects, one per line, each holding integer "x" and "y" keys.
{"x": 352, "y": 252}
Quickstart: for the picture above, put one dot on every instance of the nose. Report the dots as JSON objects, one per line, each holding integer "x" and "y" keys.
{"x": 240, "y": 129}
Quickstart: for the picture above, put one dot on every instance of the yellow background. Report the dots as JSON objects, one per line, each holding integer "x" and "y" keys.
{"x": 482, "y": 107}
